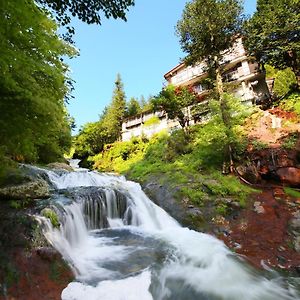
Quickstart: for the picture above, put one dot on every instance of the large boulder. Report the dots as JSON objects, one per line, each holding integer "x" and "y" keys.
{"x": 35, "y": 189}
{"x": 60, "y": 166}
{"x": 289, "y": 175}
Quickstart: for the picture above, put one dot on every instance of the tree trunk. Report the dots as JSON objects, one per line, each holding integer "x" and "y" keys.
{"x": 224, "y": 108}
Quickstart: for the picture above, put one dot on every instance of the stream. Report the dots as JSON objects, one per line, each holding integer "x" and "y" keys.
{"x": 121, "y": 246}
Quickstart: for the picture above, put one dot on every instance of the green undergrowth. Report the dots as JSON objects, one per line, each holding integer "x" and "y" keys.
{"x": 292, "y": 103}
{"x": 190, "y": 163}
{"x": 292, "y": 192}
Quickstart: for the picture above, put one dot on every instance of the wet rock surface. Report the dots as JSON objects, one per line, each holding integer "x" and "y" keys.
{"x": 267, "y": 233}
{"x": 60, "y": 166}
{"x": 34, "y": 189}
{"x": 30, "y": 269}
{"x": 180, "y": 209}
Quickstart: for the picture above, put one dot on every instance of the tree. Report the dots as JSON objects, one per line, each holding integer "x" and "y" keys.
{"x": 175, "y": 102}
{"x": 34, "y": 124}
{"x": 133, "y": 107}
{"x": 113, "y": 118}
{"x": 207, "y": 29}
{"x": 273, "y": 33}
{"x": 86, "y": 11}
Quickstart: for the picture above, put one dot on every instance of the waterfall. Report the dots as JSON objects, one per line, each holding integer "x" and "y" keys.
{"x": 122, "y": 246}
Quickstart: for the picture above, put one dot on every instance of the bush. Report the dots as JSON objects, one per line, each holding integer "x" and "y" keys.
{"x": 285, "y": 82}
{"x": 291, "y": 103}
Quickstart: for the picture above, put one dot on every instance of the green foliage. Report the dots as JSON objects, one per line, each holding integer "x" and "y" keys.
{"x": 208, "y": 27}
{"x": 214, "y": 137}
{"x": 93, "y": 136}
{"x": 89, "y": 12}
{"x": 90, "y": 140}
{"x": 133, "y": 108}
{"x": 112, "y": 120}
{"x": 270, "y": 71}
{"x": 195, "y": 195}
{"x": 291, "y": 192}
{"x": 152, "y": 121}
{"x": 119, "y": 156}
{"x": 179, "y": 143}
{"x": 34, "y": 124}
{"x": 272, "y": 33}
{"x": 181, "y": 159}
{"x": 285, "y": 82}
{"x": 258, "y": 145}
{"x": 52, "y": 216}
{"x": 290, "y": 142}
{"x": 175, "y": 102}
{"x": 291, "y": 103}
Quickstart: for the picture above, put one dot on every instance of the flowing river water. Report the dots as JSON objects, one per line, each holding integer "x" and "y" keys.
{"x": 121, "y": 246}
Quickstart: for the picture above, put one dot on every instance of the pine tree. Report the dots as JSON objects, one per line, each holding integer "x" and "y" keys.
{"x": 115, "y": 112}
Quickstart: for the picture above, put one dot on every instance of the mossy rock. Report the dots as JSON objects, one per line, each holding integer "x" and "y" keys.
{"x": 52, "y": 216}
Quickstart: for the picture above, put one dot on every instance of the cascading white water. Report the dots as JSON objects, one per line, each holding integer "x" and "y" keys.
{"x": 138, "y": 252}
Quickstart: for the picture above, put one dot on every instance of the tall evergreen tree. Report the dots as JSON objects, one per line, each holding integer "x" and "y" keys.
{"x": 273, "y": 33}
{"x": 115, "y": 112}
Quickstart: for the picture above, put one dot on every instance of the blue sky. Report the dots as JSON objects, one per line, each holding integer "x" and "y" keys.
{"x": 142, "y": 50}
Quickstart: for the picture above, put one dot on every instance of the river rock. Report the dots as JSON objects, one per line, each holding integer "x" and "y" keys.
{"x": 35, "y": 189}
{"x": 289, "y": 175}
{"x": 60, "y": 166}
{"x": 258, "y": 208}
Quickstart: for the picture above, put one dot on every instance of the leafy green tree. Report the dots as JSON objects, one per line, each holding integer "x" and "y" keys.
{"x": 90, "y": 140}
{"x": 273, "y": 33}
{"x": 175, "y": 102}
{"x": 88, "y": 11}
{"x": 34, "y": 82}
{"x": 133, "y": 107}
{"x": 206, "y": 30}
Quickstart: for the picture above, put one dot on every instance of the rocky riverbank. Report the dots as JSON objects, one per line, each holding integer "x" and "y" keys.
{"x": 266, "y": 232}
{"x": 30, "y": 269}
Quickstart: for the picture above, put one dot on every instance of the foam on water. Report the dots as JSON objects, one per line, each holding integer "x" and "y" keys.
{"x": 110, "y": 263}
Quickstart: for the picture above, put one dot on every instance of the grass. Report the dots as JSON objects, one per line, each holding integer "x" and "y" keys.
{"x": 189, "y": 164}
{"x": 291, "y": 192}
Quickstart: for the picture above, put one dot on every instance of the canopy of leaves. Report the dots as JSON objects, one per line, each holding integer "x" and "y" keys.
{"x": 34, "y": 124}
{"x": 88, "y": 11}
{"x": 208, "y": 27}
{"x": 175, "y": 102}
{"x": 273, "y": 33}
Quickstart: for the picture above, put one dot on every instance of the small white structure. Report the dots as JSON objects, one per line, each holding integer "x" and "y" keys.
{"x": 244, "y": 74}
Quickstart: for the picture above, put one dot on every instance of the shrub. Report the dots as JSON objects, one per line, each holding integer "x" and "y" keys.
{"x": 285, "y": 82}
{"x": 291, "y": 103}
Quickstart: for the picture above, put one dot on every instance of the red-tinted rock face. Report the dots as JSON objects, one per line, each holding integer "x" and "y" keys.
{"x": 289, "y": 175}
{"x": 260, "y": 234}
{"x": 38, "y": 278}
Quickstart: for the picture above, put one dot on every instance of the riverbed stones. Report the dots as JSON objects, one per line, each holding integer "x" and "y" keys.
{"x": 35, "y": 189}
{"x": 258, "y": 208}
